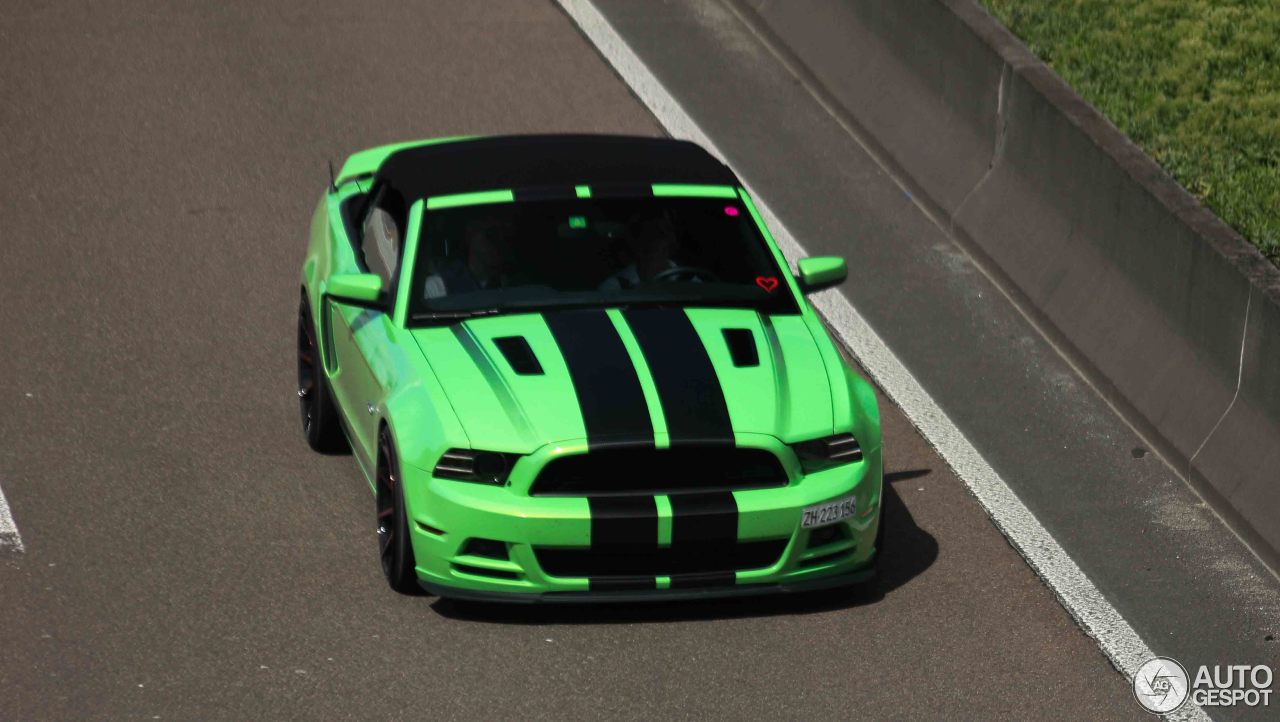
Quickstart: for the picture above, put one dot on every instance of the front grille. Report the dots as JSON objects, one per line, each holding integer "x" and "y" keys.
{"x": 664, "y": 561}
{"x": 659, "y": 471}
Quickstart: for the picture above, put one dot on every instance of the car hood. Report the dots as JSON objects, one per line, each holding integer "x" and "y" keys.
{"x": 518, "y": 382}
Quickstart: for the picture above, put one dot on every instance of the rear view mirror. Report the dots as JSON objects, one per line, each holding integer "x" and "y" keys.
{"x": 356, "y": 289}
{"x": 821, "y": 272}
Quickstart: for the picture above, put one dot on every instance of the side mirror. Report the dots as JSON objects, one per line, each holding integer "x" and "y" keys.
{"x": 356, "y": 289}
{"x": 821, "y": 272}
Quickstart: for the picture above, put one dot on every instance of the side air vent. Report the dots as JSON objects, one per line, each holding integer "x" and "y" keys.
{"x": 742, "y": 346}
{"x": 516, "y": 350}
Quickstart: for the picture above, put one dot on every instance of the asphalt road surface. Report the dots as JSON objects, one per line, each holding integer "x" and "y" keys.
{"x": 187, "y": 557}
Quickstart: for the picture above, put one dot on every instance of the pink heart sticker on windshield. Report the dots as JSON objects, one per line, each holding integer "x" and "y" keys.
{"x": 768, "y": 283}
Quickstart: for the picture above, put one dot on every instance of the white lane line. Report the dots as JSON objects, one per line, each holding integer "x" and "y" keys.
{"x": 9, "y": 537}
{"x": 1095, "y": 615}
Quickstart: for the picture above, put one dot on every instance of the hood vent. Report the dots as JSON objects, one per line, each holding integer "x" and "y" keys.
{"x": 516, "y": 350}
{"x": 742, "y": 347}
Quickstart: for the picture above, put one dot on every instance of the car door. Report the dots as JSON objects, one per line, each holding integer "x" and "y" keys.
{"x": 363, "y": 338}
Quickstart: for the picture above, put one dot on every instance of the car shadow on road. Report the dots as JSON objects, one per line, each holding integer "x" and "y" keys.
{"x": 909, "y": 551}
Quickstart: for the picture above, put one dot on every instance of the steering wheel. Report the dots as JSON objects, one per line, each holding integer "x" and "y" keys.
{"x": 685, "y": 273}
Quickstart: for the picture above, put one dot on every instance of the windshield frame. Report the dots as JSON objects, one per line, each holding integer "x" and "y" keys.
{"x": 411, "y": 315}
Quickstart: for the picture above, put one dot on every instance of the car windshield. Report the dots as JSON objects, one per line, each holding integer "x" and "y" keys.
{"x": 541, "y": 254}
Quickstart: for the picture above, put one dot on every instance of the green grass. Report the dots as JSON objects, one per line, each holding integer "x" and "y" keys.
{"x": 1196, "y": 83}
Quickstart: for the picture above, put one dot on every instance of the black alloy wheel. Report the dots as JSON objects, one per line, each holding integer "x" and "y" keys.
{"x": 319, "y": 417}
{"x": 394, "y": 546}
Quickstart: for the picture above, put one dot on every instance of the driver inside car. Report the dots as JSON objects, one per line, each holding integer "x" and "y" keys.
{"x": 646, "y": 254}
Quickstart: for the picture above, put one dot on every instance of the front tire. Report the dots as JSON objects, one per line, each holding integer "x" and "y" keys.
{"x": 394, "y": 546}
{"x": 319, "y": 415}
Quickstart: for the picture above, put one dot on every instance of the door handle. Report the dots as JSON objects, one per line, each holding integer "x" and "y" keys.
{"x": 372, "y": 409}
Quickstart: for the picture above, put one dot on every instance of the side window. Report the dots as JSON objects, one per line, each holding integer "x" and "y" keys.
{"x": 382, "y": 235}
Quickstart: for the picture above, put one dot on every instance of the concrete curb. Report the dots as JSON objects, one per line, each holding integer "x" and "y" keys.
{"x": 1170, "y": 313}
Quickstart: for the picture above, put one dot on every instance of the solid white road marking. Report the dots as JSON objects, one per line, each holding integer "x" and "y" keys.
{"x": 9, "y": 536}
{"x": 1074, "y": 590}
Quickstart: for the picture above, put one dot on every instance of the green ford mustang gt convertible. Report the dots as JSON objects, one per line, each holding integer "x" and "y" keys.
{"x": 578, "y": 367}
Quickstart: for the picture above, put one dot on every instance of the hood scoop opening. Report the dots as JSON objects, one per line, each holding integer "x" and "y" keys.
{"x": 519, "y": 355}
{"x": 742, "y": 347}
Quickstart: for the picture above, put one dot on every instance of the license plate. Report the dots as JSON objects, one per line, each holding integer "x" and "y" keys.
{"x": 828, "y": 513}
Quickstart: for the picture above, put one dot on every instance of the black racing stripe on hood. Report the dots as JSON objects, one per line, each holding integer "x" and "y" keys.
{"x": 704, "y": 535}
{"x": 692, "y": 399}
{"x": 625, "y": 527}
{"x": 604, "y": 379}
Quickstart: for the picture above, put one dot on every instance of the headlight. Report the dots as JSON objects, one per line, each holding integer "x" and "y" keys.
{"x": 484, "y": 467}
{"x": 827, "y": 452}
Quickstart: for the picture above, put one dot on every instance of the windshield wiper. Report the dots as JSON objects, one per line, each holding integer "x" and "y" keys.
{"x": 543, "y": 305}
{"x": 429, "y": 316}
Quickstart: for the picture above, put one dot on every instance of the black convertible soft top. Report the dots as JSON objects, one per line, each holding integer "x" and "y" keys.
{"x": 549, "y": 162}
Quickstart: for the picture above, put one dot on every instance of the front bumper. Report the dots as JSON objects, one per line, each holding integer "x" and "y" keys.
{"x": 447, "y": 515}
{"x": 836, "y": 581}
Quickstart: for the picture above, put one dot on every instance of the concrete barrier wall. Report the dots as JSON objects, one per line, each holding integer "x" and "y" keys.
{"x": 1171, "y": 313}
